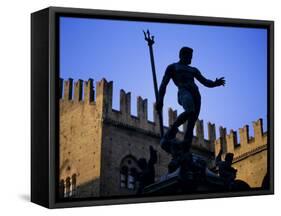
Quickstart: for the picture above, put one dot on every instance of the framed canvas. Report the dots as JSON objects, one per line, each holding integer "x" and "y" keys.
{"x": 134, "y": 107}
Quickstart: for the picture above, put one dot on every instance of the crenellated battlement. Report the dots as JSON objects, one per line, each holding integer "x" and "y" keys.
{"x": 229, "y": 142}
{"x": 99, "y": 96}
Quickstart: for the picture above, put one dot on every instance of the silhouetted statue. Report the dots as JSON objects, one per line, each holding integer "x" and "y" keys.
{"x": 147, "y": 174}
{"x": 189, "y": 98}
{"x": 226, "y": 171}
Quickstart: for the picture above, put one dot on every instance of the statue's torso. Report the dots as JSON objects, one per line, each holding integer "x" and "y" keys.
{"x": 183, "y": 77}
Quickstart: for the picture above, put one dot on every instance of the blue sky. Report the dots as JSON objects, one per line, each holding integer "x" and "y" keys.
{"x": 116, "y": 50}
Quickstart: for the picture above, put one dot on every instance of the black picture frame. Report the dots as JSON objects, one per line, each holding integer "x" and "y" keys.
{"x": 45, "y": 101}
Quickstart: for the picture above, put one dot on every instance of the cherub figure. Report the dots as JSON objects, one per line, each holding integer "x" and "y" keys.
{"x": 226, "y": 171}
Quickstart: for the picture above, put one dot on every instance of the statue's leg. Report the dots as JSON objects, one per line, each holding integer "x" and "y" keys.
{"x": 177, "y": 148}
{"x": 181, "y": 119}
{"x": 185, "y": 99}
{"x": 191, "y": 105}
{"x": 188, "y": 136}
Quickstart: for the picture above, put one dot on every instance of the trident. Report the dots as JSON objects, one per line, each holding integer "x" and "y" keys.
{"x": 150, "y": 42}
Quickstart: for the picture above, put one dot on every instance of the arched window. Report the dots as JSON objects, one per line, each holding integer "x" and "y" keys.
{"x": 68, "y": 187}
{"x": 132, "y": 178}
{"x": 68, "y": 179}
{"x": 128, "y": 173}
{"x": 123, "y": 177}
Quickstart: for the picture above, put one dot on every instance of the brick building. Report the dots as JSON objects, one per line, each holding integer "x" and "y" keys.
{"x": 100, "y": 146}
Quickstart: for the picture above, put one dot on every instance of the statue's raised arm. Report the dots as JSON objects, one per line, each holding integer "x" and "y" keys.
{"x": 163, "y": 86}
{"x": 209, "y": 83}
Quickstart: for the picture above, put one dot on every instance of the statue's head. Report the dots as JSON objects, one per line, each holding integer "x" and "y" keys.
{"x": 185, "y": 54}
{"x": 229, "y": 158}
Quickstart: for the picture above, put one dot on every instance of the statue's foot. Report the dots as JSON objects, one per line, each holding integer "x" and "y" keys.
{"x": 167, "y": 140}
{"x": 176, "y": 148}
{"x": 171, "y": 146}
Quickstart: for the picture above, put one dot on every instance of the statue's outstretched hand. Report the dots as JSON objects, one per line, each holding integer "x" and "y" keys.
{"x": 220, "y": 81}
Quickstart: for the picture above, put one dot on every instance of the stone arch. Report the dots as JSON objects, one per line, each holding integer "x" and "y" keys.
{"x": 68, "y": 179}
{"x": 128, "y": 172}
